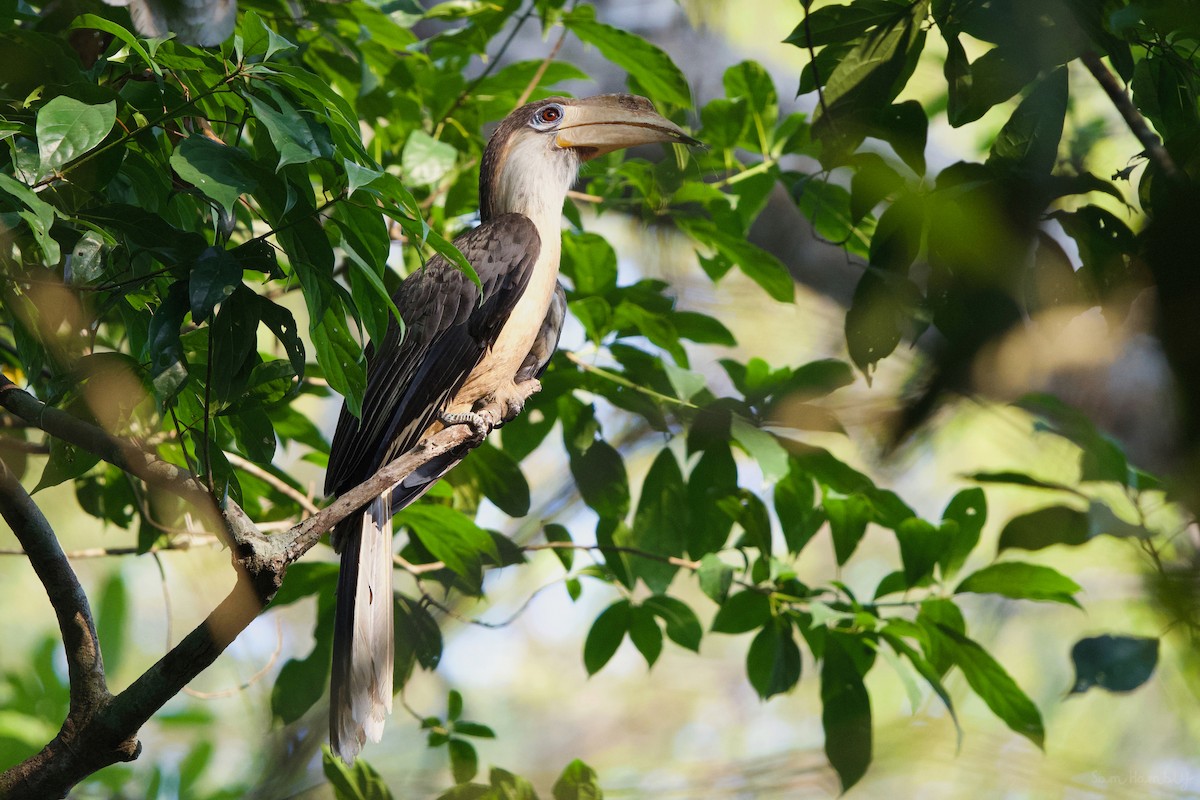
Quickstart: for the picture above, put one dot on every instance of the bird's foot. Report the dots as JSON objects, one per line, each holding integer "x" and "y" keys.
{"x": 511, "y": 402}
{"x": 480, "y": 423}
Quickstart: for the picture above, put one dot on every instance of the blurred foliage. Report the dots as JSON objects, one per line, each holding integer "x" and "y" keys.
{"x": 161, "y": 204}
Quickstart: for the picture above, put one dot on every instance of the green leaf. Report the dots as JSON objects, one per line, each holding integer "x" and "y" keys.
{"x": 358, "y": 782}
{"x": 605, "y": 636}
{"x": 845, "y": 708}
{"x": 1021, "y": 581}
{"x": 499, "y": 477}
{"x": 795, "y": 505}
{"x": 464, "y": 762}
{"x": 112, "y": 614}
{"x": 967, "y": 510}
{"x": 658, "y": 526}
{"x": 1115, "y": 663}
{"x": 590, "y": 262}
{"x": 217, "y": 170}
{"x": 214, "y": 276}
{"x": 868, "y": 78}
{"x": 66, "y": 463}
{"x": 993, "y": 684}
{"x": 93, "y": 22}
{"x": 921, "y": 545}
{"x": 763, "y": 447}
{"x": 168, "y": 368}
{"x": 645, "y": 634}
{"x": 600, "y": 476}
{"x": 1028, "y": 142}
{"x": 773, "y": 660}
{"x": 647, "y": 64}
{"x": 716, "y": 578}
{"x": 1045, "y": 527}
{"x": 712, "y": 479}
{"x": 425, "y": 160}
{"x": 557, "y": 533}
{"x": 683, "y": 628}
{"x": 296, "y": 135}
{"x": 452, "y": 538}
{"x": 38, "y": 214}
{"x": 67, "y": 128}
{"x": 301, "y": 681}
{"x": 742, "y": 612}
{"x": 848, "y": 518}
{"x": 577, "y": 782}
{"x": 340, "y": 356}
{"x": 835, "y": 24}
{"x": 507, "y": 786}
{"x": 758, "y": 265}
{"x": 925, "y": 669}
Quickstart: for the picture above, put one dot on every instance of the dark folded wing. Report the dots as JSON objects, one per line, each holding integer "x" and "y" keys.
{"x": 411, "y": 375}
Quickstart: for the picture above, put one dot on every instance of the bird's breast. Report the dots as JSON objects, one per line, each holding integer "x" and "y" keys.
{"x": 500, "y": 364}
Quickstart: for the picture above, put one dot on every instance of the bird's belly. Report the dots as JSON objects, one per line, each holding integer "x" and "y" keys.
{"x": 501, "y": 362}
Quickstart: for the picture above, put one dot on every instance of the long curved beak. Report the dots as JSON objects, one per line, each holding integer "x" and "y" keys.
{"x": 607, "y": 122}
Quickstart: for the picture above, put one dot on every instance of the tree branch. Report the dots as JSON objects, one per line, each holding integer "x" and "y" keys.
{"x": 1136, "y": 122}
{"x": 108, "y": 732}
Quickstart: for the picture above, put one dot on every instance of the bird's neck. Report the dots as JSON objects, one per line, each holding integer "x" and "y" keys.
{"x": 528, "y": 180}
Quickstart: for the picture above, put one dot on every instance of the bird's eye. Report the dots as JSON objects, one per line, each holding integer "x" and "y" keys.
{"x": 548, "y": 116}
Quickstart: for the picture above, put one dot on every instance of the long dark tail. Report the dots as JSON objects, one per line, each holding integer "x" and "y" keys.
{"x": 360, "y": 687}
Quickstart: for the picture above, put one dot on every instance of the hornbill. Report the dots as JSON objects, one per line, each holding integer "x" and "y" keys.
{"x": 460, "y": 350}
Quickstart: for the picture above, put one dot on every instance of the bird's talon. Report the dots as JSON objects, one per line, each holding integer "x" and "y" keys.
{"x": 478, "y": 424}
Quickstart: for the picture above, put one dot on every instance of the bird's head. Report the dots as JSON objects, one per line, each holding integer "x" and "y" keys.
{"x": 534, "y": 155}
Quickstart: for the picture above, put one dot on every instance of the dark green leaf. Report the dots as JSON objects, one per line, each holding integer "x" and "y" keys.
{"x": 499, "y": 478}
{"x": 168, "y": 369}
{"x": 1045, "y": 527}
{"x": 742, "y": 612}
{"x": 605, "y": 636}
{"x": 845, "y": 708}
{"x": 1022, "y": 582}
{"x": 214, "y": 276}
{"x": 359, "y": 782}
{"x": 464, "y": 762}
{"x": 658, "y": 526}
{"x": 645, "y": 634}
{"x": 1115, "y": 663}
{"x": 557, "y": 533}
{"x": 848, "y": 518}
{"x": 600, "y": 476}
{"x": 773, "y": 660}
{"x": 682, "y": 626}
{"x": 577, "y": 782}
{"x": 921, "y": 545}
{"x": 967, "y": 510}
{"x": 795, "y": 504}
{"x": 647, "y": 64}
{"x": 834, "y": 24}
{"x": 713, "y": 478}
{"x": 1028, "y": 142}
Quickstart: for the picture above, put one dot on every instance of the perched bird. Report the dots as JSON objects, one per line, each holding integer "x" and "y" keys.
{"x": 458, "y": 352}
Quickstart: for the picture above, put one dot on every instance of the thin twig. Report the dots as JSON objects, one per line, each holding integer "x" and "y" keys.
{"x": 283, "y": 486}
{"x": 541, "y": 70}
{"x": 253, "y": 679}
{"x": 628, "y": 384}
